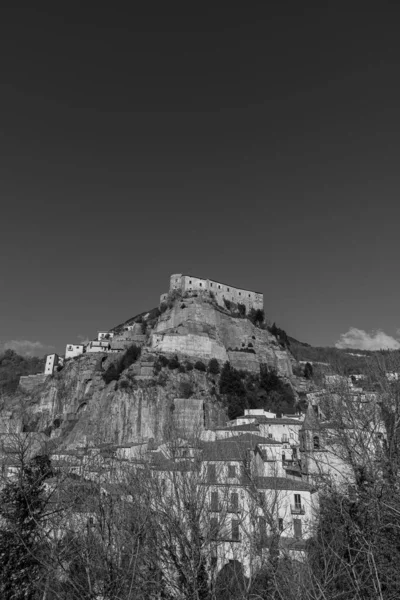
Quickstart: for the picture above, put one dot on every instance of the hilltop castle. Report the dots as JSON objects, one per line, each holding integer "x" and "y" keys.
{"x": 221, "y": 291}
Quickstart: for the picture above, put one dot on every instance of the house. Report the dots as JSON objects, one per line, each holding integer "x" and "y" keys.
{"x": 105, "y": 335}
{"x": 98, "y": 346}
{"x": 73, "y": 350}
{"x": 51, "y": 364}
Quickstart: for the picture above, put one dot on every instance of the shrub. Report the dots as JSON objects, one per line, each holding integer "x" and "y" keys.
{"x": 157, "y": 367}
{"x": 182, "y": 369}
{"x": 163, "y": 307}
{"x": 183, "y": 305}
{"x": 242, "y": 310}
{"x": 200, "y": 366}
{"x": 174, "y": 363}
{"x": 256, "y": 316}
{"x": 308, "y": 371}
{"x": 130, "y": 357}
{"x": 186, "y": 389}
{"x": 124, "y": 384}
{"x": 112, "y": 374}
{"x": 189, "y": 366}
{"x": 163, "y": 360}
{"x": 162, "y": 379}
{"x": 213, "y": 366}
{"x": 228, "y": 304}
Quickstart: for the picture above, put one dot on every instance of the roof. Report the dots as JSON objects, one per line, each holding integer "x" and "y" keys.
{"x": 247, "y": 427}
{"x": 232, "y": 448}
{"x": 282, "y": 483}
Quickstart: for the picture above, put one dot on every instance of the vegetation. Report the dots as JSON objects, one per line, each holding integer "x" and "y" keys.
{"x": 115, "y": 369}
{"x": 12, "y": 366}
{"x": 213, "y": 366}
{"x": 200, "y": 366}
{"x": 256, "y": 316}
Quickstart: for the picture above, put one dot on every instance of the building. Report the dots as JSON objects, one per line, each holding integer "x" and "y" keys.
{"x": 221, "y": 291}
{"x": 73, "y": 350}
{"x": 98, "y": 346}
{"x": 51, "y": 364}
{"x": 105, "y": 335}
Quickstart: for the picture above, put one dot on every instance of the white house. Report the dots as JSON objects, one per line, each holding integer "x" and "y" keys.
{"x": 98, "y": 346}
{"x": 73, "y": 350}
{"x": 51, "y": 363}
{"x": 105, "y": 335}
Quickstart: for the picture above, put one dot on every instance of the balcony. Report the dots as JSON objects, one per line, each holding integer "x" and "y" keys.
{"x": 297, "y": 509}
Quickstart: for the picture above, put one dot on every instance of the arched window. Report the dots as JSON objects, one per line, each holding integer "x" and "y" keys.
{"x": 316, "y": 442}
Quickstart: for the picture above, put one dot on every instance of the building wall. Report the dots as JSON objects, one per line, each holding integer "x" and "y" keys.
{"x": 50, "y": 364}
{"x": 187, "y": 283}
{"x": 73, "y": 350}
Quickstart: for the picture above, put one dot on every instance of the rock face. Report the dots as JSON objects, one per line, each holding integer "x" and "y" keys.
{"x": 196, "y": 327}
{"x": 76, "y": 407}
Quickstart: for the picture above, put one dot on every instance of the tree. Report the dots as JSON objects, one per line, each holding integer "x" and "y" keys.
{"x": 23, "y": 507}
{"x": 308, "y": 370}
{"x": 213, "y": 366}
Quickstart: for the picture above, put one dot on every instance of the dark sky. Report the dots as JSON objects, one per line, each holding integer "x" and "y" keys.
{"x": 259, "y": 149}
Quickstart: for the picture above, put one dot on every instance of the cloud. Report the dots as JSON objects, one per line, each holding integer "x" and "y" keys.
{"x": 358, "y": 339}
{"x": 26, "y": 347}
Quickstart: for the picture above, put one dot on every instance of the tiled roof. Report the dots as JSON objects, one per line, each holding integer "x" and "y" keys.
{"x": 233, "y": 448}
{"x": 282, "y": 483}
{"x": 247, "y": 427}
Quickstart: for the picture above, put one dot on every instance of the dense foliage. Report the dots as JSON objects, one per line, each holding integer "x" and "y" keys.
{"x": 12, "y": 366}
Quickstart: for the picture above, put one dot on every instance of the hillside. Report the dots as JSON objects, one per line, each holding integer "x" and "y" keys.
{"x": 126, "y": 396}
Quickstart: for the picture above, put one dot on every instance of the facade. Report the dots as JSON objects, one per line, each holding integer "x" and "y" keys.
{"x": 105, "y": 335}
{"x": 98, "y": 346}
{"x": 73, "y": 350}
{"x": 51, "y": 363}
{"x": 221, "y": 291}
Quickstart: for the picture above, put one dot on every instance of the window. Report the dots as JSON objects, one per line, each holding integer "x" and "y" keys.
{"x": 214, "y": 501}
{"x": 201, "y": 285}
{"x": 297, "y": 528}
{"x": 240, "y": 293}
{"x": 190, "y": 282}
{"x": 280, "y": 524}
{"x": 297, "y": 501}
{"x": 262, "y": 528}
{"x": 316, "y": 442}
{"x": 231, "y": 471}
{"x": 234, "y": 502}
{"x": 235, "y": 530}
{"x": 249, "y": 295}
{"x": 283, "y": 457}
{"x": 261, "y": 498}
{"x": 219, "y": 287}
{"x": 227, "y": 289}
{"x": 211, "y": 284}
{"x": 211, "y": 473}
{"x": 294, "y": 453}
{"x": 214, "y": 528}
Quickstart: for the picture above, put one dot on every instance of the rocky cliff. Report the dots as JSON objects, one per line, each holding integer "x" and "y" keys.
{"x": 77, "y": 407}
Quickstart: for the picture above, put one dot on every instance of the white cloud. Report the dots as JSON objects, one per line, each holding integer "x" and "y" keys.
{"x": 26, "y": 347}
{"x": 358, "y": 339}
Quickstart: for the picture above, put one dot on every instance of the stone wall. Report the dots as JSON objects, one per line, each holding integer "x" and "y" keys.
{"x": 221, "y": 291}
{"x": 30, "y": 382}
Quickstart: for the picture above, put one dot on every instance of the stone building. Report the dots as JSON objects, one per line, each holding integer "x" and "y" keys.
{"x": 221, "y": 291}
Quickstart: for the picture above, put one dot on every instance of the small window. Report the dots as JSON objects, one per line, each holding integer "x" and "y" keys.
{"x": 234, "y": 502}
{"x": 214, "y": 501}
{"x": 228, "y": 289}
{"x": 211, "y": 284}
{"x": 235, "y": 530}
{"x": 249, "y": 295}
{"x": 240, "y": 293}
{"x": 297, "y": 501}
{"x": 190, "y": 282}
{"x": 231, "y": 471}
{"x": 211, "y": 473}
{"x": 280, "y": 524}
{"x": 219, "y": 287}
{"x": 201, "y": 285}
{"x": 316, "y": 442}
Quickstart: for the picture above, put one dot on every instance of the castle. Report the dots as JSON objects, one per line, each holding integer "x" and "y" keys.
{"x": 221, "y": 291}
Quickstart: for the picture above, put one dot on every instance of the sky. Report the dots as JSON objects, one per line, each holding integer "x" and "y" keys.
{"x": 255, "y": 148}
